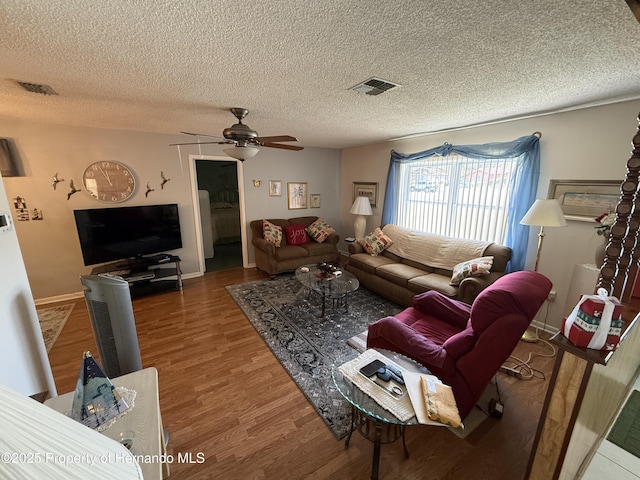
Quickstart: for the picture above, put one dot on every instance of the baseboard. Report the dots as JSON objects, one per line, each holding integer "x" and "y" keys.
{"x": 545, "y": 328}
{"x": 77, "y": 295}
{"x": 59, "y": 298}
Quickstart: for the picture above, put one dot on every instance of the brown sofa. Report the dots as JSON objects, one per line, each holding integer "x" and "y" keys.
{"x": 287, "y": 258}
{"x": 417, "y": 262}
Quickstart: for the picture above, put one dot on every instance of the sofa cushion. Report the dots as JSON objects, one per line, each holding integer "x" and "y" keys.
{"x": 433, "y": 281}
{"x": 397, "y": 259}
{"x": 320, "y": 230}
{"x": 376, "y": 242}
{"x": 398, "y": 273}
{"x": 367, "y": 263}
{"x": 314, "y": 248}
{"x": 296, "y": 234}
{"x": 289, "y": 252}
{"x": 471, "y": 268}
{"x": 411, "y": 263}
{"x": 272, "y": 233}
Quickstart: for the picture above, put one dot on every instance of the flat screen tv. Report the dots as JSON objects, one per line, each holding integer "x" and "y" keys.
{"x": 109, "y": 234}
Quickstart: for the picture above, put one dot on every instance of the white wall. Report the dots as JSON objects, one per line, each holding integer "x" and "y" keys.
{"x": 24, "y": 365}
{"x": 51, "y": 248}
{"x": 592, "y": 143}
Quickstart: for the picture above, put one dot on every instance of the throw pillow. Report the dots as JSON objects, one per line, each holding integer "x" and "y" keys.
{"x": 271, "y": 232}
{"x": 296, "y": 234}
{"x": 376, "y": 242}
{"x": 471, "y": 268}
{"x": 320, "y": 230}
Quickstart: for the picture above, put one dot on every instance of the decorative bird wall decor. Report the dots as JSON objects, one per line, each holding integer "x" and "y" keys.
{"x": 164, "y": 180}
{"x": 56, "y": 180}
{"x": 149, "y": 190}
{"x": 73, "y": 189}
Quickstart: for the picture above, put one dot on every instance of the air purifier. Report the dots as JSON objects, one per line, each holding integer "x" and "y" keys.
{"x": 109, "y": 303}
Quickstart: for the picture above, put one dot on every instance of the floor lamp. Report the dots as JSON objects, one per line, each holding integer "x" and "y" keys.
{"x": 360, "y": 207}
{"x": 543, "y": 213}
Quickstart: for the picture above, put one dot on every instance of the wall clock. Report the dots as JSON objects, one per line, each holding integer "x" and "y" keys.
{"x": 109, "y": 181}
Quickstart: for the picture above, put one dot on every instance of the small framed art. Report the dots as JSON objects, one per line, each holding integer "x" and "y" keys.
{"x": 585, "y": 200}
{"x": 275, "y": 188}
{"x": 297, "y": 195}
{"x": 314, "y": 199}
{"x": 366, "y": 189}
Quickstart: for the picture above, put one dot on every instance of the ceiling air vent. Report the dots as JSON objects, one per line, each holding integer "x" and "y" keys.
{"x": 374, "y": 86}
{"x": 37, "y": 88}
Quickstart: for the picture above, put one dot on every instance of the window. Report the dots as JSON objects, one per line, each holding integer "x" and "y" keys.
{"x": 456, "y": 196}
{"x": 468, "y": 191}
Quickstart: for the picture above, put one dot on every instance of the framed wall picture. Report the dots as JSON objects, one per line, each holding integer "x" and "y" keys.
{"x": 297, "y": 195}
{"x": 585, "y": 200}
{"x": 275, "y": 188}
{"x": 366, "y": 189}
{"x": 314, "y": 199}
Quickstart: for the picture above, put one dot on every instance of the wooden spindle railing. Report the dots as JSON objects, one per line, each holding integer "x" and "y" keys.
{"x": 620, "y": 267}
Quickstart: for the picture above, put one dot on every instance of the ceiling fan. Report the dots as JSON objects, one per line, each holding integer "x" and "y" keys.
{"x": 246, "y": 140}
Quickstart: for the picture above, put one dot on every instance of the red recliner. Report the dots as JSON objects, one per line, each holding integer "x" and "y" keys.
{"x": 464, "y": 345}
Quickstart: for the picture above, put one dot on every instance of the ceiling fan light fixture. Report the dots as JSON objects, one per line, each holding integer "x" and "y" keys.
{"x": 242, "y": 152}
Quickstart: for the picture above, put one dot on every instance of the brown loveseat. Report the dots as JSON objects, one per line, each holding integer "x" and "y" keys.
{"x": 417, "y": 262}
{"x": 287, "y": 258}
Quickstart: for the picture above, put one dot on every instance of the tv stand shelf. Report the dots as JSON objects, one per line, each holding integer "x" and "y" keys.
{"x": 146, "y": 275}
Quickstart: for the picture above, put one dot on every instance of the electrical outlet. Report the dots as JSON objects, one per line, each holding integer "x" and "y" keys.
{"x": 552, "y": 296}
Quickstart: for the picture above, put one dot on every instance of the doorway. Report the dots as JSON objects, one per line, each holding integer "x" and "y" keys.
{"x": 219, "y": 208}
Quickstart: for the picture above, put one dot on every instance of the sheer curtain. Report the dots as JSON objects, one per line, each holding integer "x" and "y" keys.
{"x": 521, "y": 192}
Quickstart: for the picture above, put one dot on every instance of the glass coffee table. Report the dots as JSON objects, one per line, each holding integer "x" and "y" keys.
{"x": 332, "y": 288}
{"x": 372, "y": 421}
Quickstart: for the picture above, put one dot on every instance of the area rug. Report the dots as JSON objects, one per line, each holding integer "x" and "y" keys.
{"x": 52, "y": 321}
{"x": 625, "y": 433}
{"x": 287, "y": 317}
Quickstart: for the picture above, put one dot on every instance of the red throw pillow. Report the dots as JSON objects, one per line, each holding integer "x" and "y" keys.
{"x": 296, "y": 234}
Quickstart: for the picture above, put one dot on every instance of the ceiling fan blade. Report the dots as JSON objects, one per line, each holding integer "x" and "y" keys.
{"x": 634, "y": 5}
{"x": 278, "y": 138}
{"x": 280, "y": 145}
{"x": 198, "y": 143}
{"x": 199, "y": 134}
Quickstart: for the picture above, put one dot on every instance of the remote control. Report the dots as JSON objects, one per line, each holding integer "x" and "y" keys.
{"x": 395, "y": 373}
{"x": 383, "y": 374}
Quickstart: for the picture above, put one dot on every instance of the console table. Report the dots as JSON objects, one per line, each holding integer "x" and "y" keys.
{"x": 143, "y": 419}
{"x": 585, "y": 393}
{"x": 146, "y": 275}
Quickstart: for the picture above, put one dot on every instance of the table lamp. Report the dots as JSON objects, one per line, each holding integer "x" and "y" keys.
{"x": 543, "y": 213}
{"x": 360, "y": 207}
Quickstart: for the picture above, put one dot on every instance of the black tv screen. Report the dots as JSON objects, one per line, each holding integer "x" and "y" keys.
{"x": 108, "y": 234}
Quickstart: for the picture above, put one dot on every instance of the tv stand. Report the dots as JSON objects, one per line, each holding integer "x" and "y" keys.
{"x": 146, "y": 275}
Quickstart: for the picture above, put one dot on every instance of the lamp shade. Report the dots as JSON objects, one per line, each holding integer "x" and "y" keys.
{"x": 242, "y": 153}
{"x": 361, "y": 206}
{"x": 544, "y": 213}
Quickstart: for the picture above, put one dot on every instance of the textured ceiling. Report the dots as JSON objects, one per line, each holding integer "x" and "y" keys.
{"x": 166, "y": 65}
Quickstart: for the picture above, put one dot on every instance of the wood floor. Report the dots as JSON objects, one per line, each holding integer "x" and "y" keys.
{"x": 223, "y": 393}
